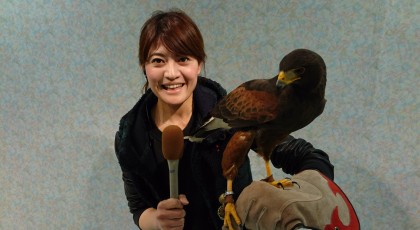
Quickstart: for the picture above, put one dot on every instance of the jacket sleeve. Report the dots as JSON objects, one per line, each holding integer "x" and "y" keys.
{"x": 135, "y": 199}
{"x": 296, "y": 155}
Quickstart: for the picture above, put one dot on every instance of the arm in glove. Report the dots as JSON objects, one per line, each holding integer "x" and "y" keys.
{"x": 296, "y": 155}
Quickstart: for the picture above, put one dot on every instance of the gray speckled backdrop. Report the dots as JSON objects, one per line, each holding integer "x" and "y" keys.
{"x": 68, "y": 72}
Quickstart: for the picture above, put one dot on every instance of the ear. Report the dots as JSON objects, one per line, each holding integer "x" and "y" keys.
{"x": 200, "y": 66}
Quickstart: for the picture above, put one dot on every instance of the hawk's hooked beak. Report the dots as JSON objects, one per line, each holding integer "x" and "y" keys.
{"x": 286, "y": 78}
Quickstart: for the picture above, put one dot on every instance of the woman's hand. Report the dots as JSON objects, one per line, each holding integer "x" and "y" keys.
{"x": 170, "y": 213}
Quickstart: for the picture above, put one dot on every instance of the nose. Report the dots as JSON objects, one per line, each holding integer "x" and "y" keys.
{"x": 172, "y": 70}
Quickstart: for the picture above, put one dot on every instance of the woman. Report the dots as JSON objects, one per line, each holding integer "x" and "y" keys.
{"x": 172, "y": 55}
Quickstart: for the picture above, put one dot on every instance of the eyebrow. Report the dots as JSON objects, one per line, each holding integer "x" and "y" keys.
{"x": 163, "y": 55}
{"x": 157, "y": 54}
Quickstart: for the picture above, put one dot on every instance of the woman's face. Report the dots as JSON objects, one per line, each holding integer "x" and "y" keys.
{"x": 172, "y": 77}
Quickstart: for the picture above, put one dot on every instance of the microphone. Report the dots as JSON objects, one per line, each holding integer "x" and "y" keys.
{"x": 172, "y": 149}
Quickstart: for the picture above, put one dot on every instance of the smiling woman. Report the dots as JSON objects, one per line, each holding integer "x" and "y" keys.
{"x": 172, "y": 55}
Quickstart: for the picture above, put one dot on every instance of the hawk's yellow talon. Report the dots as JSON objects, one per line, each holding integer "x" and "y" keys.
{"x": 283, "y": 183}
{"x": 230, "y": 210}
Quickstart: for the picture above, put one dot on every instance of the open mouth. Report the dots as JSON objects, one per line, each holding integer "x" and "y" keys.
{"x": 174, "y": 86}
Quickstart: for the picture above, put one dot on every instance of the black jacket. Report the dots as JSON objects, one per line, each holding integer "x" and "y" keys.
{"x": 137, "y": 158}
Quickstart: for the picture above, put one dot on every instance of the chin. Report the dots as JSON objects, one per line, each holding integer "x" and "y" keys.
{"x": 175, "y": 100}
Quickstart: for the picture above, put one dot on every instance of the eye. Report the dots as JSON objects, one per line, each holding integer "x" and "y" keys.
{"x": 299, "y": 71}
{"x": 183, "y": 59}
{"x": 156, "y": 60}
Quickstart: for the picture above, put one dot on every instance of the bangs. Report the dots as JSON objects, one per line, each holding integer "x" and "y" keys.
{"x": 178, "y": 46}
{"x": 181, "y": 37}
{"x": 176, "y": 32}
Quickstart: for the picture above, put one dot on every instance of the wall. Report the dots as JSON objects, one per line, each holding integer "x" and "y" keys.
{"x": 68, "y": 72}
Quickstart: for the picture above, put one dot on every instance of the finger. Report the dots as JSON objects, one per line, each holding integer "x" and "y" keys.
{"x": 170, "y": 214}
{"x": 172, "y": 223}
{"x": 170, "y": 203}
{"x": 174, "y": 214}
{"x": 176, "y": 223}
{"x": 183, "y": 199}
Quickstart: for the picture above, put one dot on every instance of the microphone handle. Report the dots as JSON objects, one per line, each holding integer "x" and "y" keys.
{"x": 173, "y": 178}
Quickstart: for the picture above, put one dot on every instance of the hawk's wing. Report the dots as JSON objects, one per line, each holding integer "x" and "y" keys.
{"x": 253, "y": 103}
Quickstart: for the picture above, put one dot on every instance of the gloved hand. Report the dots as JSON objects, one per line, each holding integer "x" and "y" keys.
{"x": 313, "y": 201}
{"x": 296, "y": 155}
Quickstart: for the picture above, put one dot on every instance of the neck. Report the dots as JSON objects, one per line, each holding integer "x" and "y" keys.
{"x": 165, "y": 115}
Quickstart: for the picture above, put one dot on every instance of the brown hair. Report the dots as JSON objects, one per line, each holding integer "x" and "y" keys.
{"x": 176, "y": 31}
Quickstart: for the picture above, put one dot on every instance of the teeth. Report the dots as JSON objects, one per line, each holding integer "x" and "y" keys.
{"x": 173, "y": 86}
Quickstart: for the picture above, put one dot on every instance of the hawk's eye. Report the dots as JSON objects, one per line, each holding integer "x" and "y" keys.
{"x": 299, "y": 71}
